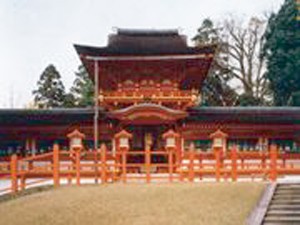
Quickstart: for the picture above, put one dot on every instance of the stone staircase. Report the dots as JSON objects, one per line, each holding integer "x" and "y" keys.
{"x": 284, "y": 207}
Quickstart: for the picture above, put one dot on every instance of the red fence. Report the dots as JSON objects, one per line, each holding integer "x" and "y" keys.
{"x": 105, "y": 167}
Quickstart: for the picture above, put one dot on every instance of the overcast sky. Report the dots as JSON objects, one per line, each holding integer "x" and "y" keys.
{"x": 35, "y": 33}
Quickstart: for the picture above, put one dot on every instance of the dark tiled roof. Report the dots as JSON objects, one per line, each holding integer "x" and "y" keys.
{"x": 144, "y": 42}
{"x": 147, "y": 32}
{"x": 263, "y": 115}
{"x": 46, "y": 116}
{"x": 280, "y": 115}
{"x": 140, "y": 50}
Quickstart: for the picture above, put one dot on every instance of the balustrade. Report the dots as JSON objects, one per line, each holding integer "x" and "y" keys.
{"x": 193, "y": 166}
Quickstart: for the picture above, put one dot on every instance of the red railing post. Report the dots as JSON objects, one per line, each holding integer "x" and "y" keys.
{"x": 273, "y": 163}
{"x": 148, "y": 164}
{"x": 30, "y": 165}
{"x": 103, "y": 163}
{"x": 283, "y": 155}
{"x": 263, "y": 160}
{"x": 23, "y": 182}
{"x": 77, "y": 161}
{"x": 234, "y": 157}
{"x": 217, "y": 152}
{"x": 201, "y": 156}
{"x": 55, "y": 165}
{"x": 171, "y": 165}
{"x": 14, "y": 173}
{"x": 124, "y": 166}
{"x": 191, "y": 163}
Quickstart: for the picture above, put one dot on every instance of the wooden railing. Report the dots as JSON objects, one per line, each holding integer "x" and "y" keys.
{"x": 103, "y": 166}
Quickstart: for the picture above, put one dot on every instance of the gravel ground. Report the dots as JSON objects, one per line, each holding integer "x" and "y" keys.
{"x": 134, "y": 204}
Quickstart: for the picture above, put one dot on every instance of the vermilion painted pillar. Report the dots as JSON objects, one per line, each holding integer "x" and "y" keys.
{"x": 263, "y": 160}
{"x": 148, "y": 164}
{"x": 77, "y": 160}
{"x": 23, "y": 182}
{"x": 124, "y": 166}
{"x": 234, "y": 157}
{"x": 217, "y": 152}
{"x": 273, "y": 163}
{"x": 14, "y": 173}
{"x": 103, "y": 163}
{"x": 56, "y": 165}
{"x": 171, "y": 164}
{"x": 191, "y": 163}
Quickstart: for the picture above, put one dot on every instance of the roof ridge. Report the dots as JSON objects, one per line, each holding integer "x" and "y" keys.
{"x": 147, "y": 32}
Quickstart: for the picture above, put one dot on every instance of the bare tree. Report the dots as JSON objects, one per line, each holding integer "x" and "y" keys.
{"x": 246, "y": 66}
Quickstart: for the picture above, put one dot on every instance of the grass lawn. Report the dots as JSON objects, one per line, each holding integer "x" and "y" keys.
{"x": 133, "y": 204}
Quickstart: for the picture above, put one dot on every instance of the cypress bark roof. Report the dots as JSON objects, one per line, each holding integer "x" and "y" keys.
{"x": 17, "y": 117}
{"x": 262, "y": 115}
{"x": 144, "y": 42}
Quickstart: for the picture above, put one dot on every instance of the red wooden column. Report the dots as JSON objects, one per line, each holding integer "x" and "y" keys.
{"x": 103, "y": 163}
{"x": 234, "y": 157}
{"x": 23, "y": 182}
{"x": 191, "y": 162}
{"x": 77, "y": 163}
{"x": 148, "y": 164}
{"x": 14, "y": 173}
{"x": 172, "y": 142}
{"x": 124, "y": 165}
{"x": 55, "y": 165}
{"x": 122, "y": 147}
{"x": 273, "y": 163}
{"x": 201, "y": 165}
{"x": 217, "y": 152}
{"x": 171, "y": 165}
{"x": 263, "y": 160}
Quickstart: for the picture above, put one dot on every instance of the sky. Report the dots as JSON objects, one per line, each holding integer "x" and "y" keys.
{"x": 36, "y": 33}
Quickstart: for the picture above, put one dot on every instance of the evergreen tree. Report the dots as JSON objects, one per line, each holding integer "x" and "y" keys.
{"x": 83, "y": 88}
{"x": 215, "y": 89}
{"x": 282, "y": 50}
{"x": 50, "y": 92}
{"x": 207, "y": 33}
{"x": 69, "y": 101}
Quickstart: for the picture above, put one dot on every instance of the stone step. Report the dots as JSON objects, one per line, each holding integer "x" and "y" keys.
{"x": 284, "y": 207}
{"x": 288, "y": 185}
{"x": 294, "y": 219}
{"x": 280, "y": 212}
{"x": 280, "y": 223}
{"x": 286, "y": 201}
{"x": 295, "y": 205}
{"x": 289, "y": 188}
{"x": 296, "y": 191}
{"x": 286, "y": 197}
{"x": 287, "y": 193}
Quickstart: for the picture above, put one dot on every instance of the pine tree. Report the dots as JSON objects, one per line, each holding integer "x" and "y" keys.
{"x": 282, "y": 50}
{"x": 50, "y": 92}
{"x": 83, "y": 88}
{"x": 215, "y": 89}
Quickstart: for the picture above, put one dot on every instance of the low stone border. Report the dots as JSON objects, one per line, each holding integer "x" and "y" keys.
{"x": 29, "y": 191}
{"x": 257, "y": 215}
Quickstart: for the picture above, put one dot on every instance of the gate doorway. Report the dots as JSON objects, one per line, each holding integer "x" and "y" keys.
{"x": 147, "y": 138}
